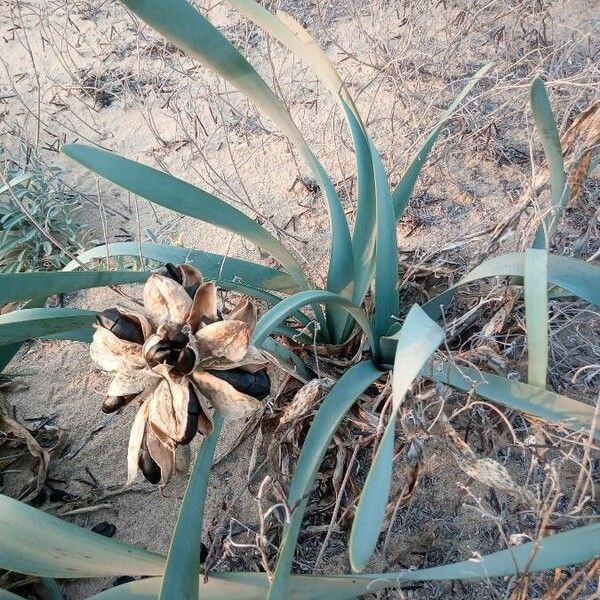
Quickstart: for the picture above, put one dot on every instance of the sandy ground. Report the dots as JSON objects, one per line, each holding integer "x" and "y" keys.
{"x": 106, "y": 79}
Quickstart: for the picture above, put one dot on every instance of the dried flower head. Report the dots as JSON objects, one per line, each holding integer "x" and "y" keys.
{"x": 181, "y": 359}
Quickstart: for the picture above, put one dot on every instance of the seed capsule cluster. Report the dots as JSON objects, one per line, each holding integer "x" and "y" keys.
{"x": 171, "y": 352}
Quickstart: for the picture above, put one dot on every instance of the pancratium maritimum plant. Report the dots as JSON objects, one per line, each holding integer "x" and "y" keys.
{"x": 181, "y": 359}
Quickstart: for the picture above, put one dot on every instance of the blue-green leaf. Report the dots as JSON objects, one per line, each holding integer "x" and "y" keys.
{"x": 29, "y": 324}
{"x": 418, "y": 338}
{"x": 36, "y": 543}
{"x": 183, "y": 25}
{"x": 536, "y": 315}
{"x": 276, "y": 315}
{"x": 22, "y": 286}
{"x": 559, "y": 190}
{"x": 579, "y": 277}
{"x": 327, "y": 419}
{"x": 171, "y": 192}
{"x": 183, "y": 562}
{"x": 226, "y": 271}
{"x": 514, "y": 394}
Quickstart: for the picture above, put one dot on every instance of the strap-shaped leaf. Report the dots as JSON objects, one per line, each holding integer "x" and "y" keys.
{"x": 7, "y": 353}
{"x": 223, "y": 269}
{"x": 182, "y": 197}
{"x": 36, "y": 543}
{"x": 32, "y": 323}
{"x": 386, "y": 253}
{"x": 514, "y": 394}
{"x": 288, "y": 360}
{"x": 185, "y": 27}
{"x": 22, "y": 286}
{"x": 402, "y": 192}
{"x": 559, "y": 191}
{"x": 579, "y": 277}
{"x": 536, "y": 315}
{"x": 418, "y": 339}
{"x": 560, "y": 550}
{"x": 299, "y": 41}
{"x": 280, "y": 312}
{"x": 327, "y": 419}
{"x": 183, "y": 562}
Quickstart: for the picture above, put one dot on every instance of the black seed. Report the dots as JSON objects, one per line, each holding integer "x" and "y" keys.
{"x": 105, "y": 528}
{"x": 124, "y": 327}
{"x": 192, "y": 421}
{"x": 257, "y": 384}
{"x": 179, "y": 340}
{"x": 148, "y": 466}
{"x": 160, "y": 354}
{"x": 172, "y": 272}
{"x": 185, "y": 362}
{"x": 122, "y": 580}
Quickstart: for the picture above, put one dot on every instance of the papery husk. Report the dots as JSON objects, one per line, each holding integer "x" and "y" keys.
{"x": 165, "y": 301}
{"x": 224, "y": 397}
{"x": 204, "y": 307}
{"x": 112, "y": 354}
{"x": 222, "y": 340}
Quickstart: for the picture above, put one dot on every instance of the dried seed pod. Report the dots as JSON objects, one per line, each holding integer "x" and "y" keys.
{"x": 161, "y": 353}
{"x": 256, "y": 384}
{"x": 186, "y": 361}
{"x": 192, "y": 419}
{"x": 172, "y": 272}
{"x": 192, "y": 289}
{"x": 148, "y": 466}
{"x": 124, "y": 327}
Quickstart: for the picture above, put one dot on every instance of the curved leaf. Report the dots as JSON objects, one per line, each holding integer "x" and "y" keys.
{"x": 579, "y": 277}
{"x": 536, "y": 315}
{"x": 32, "y": 323}
{"x": 514, "y": 394}
{"x": 402, "y": 192}
{"x": 223, "y": 269}
{"x": 299, "y": 41}
{"x": 183, "y": 563}
{"x": 563, "y": 549}
{"x": 327, "y": 419}
{"x": 546, "y": 126}
{"x": 287, "y": 360}
{"x": 386, "y": 253}
{"x": 179, "y": 22}
{"x": 184, "y": 198}
{"x": 276, "y": 315}
{"x": 22, "y": 286}
{"x": 36, "y": 543}
{"x": 418, "y": 339}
